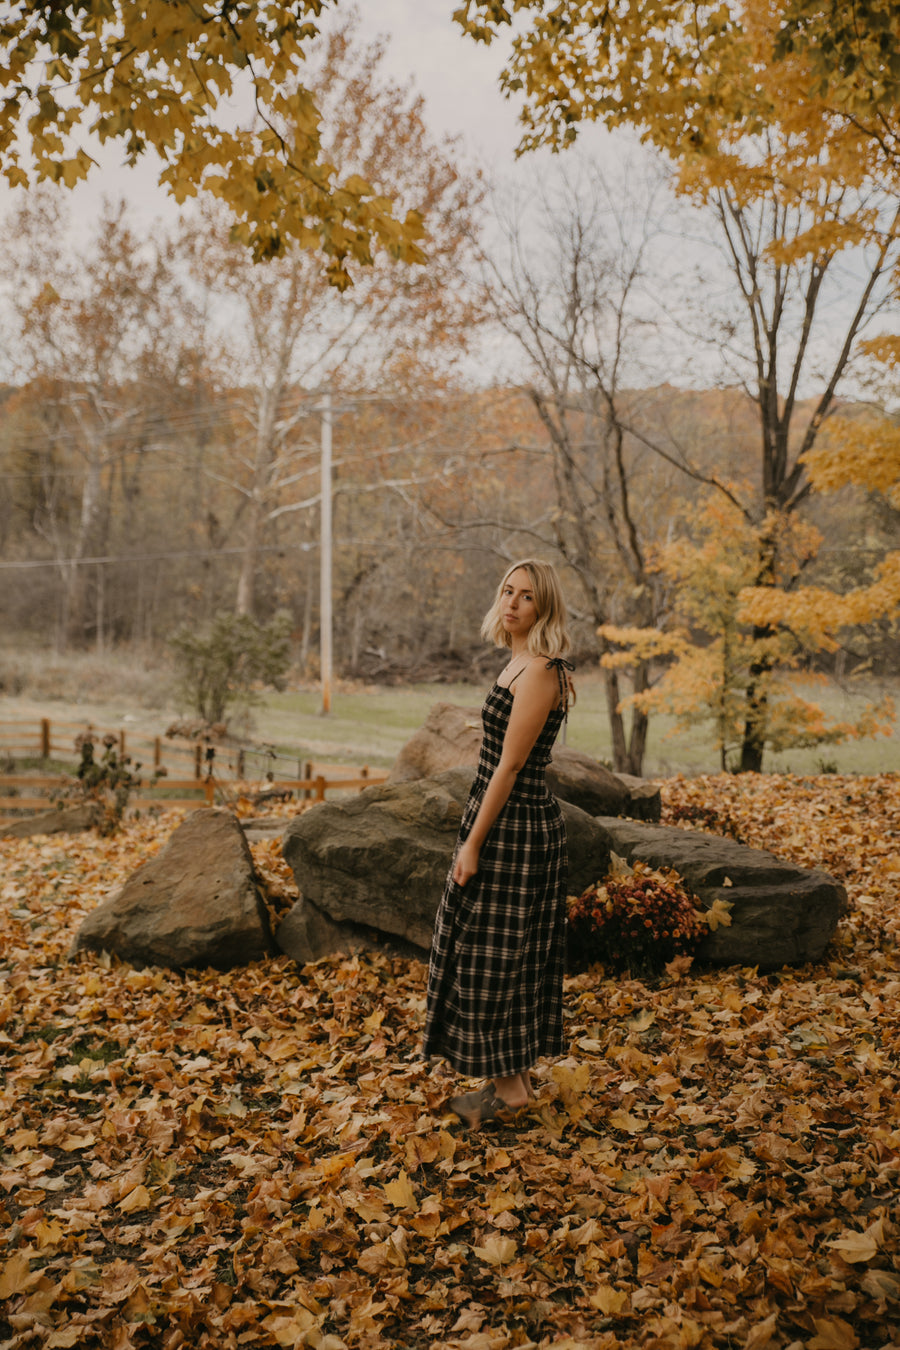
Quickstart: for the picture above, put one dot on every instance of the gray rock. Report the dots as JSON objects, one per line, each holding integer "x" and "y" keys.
{"x": 573, "y": 776}
{"x": 372, "y": 870}
{"x": 781, "y": 914}
{"x": 308, "y": 933}
{"x": 263, "y": 827}
{"x": 68, "y": 820}
{"x": 379, "y": 861}
{"x": 196, "y": 904}
{"x": 643, "y": 798}
{"x": 450, "y": 737}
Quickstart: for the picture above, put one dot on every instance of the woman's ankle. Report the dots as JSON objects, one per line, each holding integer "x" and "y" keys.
{"x": 511, "y": 1090}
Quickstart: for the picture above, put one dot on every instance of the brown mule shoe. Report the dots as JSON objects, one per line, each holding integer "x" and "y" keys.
{"x": 483, "y": 1106}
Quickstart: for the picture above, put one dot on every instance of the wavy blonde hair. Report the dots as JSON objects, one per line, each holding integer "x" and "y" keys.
{"x": 549, "y": 634}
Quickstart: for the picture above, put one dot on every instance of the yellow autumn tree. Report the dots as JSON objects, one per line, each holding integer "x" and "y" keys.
{"x": 157, "y": 76}
{"x": 713, "y": 650}
{"x": 797, "y": 192}
{"x": 860, "y": 451}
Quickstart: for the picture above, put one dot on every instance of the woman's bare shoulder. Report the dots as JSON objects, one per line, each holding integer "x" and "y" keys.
{"x": 538, "y": 674}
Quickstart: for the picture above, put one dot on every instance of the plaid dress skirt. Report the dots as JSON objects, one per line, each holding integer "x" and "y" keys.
{"x": 498, "y": 952}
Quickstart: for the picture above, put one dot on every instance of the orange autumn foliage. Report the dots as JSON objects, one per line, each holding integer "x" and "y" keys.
{"x": 260, "y": 1158}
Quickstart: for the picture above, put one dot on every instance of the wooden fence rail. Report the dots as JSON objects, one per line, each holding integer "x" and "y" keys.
{"x": 219, "y": 777}
{"x": 52, "y": 740}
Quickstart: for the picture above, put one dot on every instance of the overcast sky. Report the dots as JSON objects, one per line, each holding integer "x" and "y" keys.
{"x": 458, "y": 77}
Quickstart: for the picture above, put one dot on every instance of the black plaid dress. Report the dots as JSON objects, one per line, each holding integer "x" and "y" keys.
{"x": 498, "y": 950}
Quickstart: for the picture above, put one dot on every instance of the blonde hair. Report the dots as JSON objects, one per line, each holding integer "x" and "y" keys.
{"x": 549, "y": 634}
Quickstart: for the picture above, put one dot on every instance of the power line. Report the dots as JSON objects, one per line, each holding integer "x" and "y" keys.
{"x": 153, "y": 557}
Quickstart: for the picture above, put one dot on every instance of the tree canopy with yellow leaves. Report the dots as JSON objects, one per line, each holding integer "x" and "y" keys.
{"x": 157, "y": 77}
{"x": 854, "y": 49}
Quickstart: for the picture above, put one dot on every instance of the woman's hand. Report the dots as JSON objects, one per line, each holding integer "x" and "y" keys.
{"x": 466, "y": 864}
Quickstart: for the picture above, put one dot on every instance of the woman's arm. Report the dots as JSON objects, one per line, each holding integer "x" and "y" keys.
{"x": 536, "y": 693}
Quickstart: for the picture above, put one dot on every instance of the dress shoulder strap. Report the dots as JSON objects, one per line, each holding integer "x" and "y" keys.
{"x": 561, "y": 665}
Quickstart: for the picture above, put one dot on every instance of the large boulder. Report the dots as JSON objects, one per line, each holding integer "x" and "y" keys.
{"x": 643, "y": 798}
{"x": 376, "y": 864}
{"x": 67, "y": 820}
{"x": 573, "y": 776}
{"x": 780, "y": 914}
{"x": 196, "y": 904}
{"x": 371, "y": 871}
{"x": 450, "y": 737}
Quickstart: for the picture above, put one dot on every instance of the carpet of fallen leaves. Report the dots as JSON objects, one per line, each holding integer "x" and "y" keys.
{"x": 261, "y": 1158}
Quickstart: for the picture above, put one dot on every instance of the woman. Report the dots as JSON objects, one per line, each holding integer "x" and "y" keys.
{"x": 497, "y": 957}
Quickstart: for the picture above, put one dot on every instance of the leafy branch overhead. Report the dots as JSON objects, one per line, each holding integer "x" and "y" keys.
{"x": 695, "y": 76}
{"x": 158, "y": 77}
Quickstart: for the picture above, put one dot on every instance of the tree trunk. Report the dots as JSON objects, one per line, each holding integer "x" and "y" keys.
{"x": 616, "y": 721}
{"x": 637, "y": 741}
{"x": 756, "y": 720}
{"x": 756, "y": 717}
{"x": 246, "y": 588}
{"x": 100, "y": 610}
{"x": 306, "y": 638}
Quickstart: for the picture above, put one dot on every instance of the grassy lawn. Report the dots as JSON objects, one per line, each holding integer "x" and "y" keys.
{"x": 373, "y": 723}
{"x": 369, "y": 724}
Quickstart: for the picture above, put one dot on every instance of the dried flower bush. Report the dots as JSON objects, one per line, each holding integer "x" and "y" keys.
{"x": 637, "y": 919}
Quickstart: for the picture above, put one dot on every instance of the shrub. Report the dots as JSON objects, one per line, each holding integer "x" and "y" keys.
{"x": 637, "y": 919}
{"x": 219, "y": 669}
{"x": 107, "y": 781}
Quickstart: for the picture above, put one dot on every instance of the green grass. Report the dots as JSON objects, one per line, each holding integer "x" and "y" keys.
{"x": 29, "y": 763}
{"x": 372, "y": 725}
{"x": 368, "y": 726}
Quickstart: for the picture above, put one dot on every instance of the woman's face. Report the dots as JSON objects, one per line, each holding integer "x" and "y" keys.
{"x": 518, "y": 611}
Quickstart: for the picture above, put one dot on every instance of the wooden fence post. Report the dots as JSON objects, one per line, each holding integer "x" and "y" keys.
{"x": 45, "y": 738}
{"x": 157, "y": 752}
{"x": 198, "y": 760}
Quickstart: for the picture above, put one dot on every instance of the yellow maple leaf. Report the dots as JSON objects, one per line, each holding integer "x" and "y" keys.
{"x": 833, "y": 1333}
{"x": 137, "y": 1199}
{"x": 497, "y": 1251}
{"x": 718, "y": 913}
{"x": 17, "y": 1276}
{"x": 400, "y": 1192}
{"x": 608, "y": 1300}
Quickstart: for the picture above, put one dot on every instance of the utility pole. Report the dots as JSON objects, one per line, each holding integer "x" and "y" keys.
{"x": 325, "y": 651}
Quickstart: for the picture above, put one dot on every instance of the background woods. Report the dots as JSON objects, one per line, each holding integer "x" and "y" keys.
{"x": 677, "y": 378}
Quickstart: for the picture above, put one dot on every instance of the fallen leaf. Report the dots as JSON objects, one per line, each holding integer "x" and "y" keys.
{"x": 854, "y": 1246}
{"x": 497, "y": 1251}
{"x": 611, "y": 1302}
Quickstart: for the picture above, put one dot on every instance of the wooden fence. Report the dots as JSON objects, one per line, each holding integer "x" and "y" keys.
{"x": 172, "y": 772}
